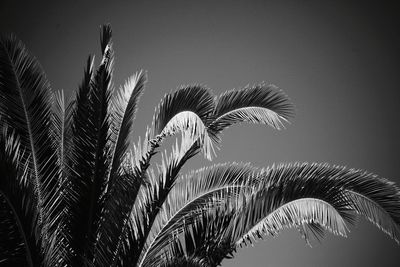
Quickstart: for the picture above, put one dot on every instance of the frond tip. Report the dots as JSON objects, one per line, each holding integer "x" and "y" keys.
{"x": 375, "y": 214}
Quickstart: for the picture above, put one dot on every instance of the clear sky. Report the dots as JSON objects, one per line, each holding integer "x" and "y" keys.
{"x": 338, "y": 61}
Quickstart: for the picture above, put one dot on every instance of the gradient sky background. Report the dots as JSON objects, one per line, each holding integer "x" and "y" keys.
{"x": 338, "y": 62}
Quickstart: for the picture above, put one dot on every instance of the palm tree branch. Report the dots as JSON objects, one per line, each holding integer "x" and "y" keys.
{"x": 17, "y": 192}
{"x": 26, "y": 107}
{"x": 215, "y": 183}
{"x": 187, "y": 109}
{"x": 157, "y": 194}
{"x": 80, "y": 169}
{"x": 125, "y": 107}
{"x": 99, "y": 97}
{"x": 123, "y": 181}
{"x": 189, "y": 213}
{"x": 295, "y": 213}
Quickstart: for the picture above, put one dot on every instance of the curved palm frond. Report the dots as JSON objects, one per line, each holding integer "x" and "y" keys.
{"x": 332, "y": 184}
{"x": 124, "y": 107}
{"x": 187, "y": 109}
{"x": 25, "y": 105}
{"x": 295, "y": 214}
{"x": 262, "y": 103}
{"x": 152, "y": 198}
{"x": 195, "y": 194}
{"x": 298, "y": 194}
{"x": 19, "y": 215}
{"x": 194, "y": 104}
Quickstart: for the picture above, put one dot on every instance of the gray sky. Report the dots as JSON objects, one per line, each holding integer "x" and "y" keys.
{"x": 338, "y": 62}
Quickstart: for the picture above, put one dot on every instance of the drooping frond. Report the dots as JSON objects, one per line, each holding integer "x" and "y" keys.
{"x": 295, "y": 214}
{"x": 332, "y": 184}
{"x": 294, "y": 195}
{"x": 194, "y": 195}
{"x": 262, "y": 103}
{"x": 19, "y": 225}
{"x": 188, "y": 109}
{"x": 25, "y": 105}
{"x": 211, "y": 237}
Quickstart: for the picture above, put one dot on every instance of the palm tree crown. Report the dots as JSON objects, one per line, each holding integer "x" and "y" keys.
{"x": 75, "y": 192}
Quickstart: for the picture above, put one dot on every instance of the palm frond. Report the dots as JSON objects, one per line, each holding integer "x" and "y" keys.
{"x": 62, "y": 138}
{"x": 332, "y": 184}
{"x": 19, "y": 215}
{"x": 297, "y": 213}
{"x": 375, "y": 213}
{"x": 78, "y": 180}
{"x": 25, "y": 105}
{"x": 124, "y": 181}
{"x": 98, "y": 144}
{"x": 124, "y": 107}
{"x": 155, "y": 193}
{"x": 263, "y": 104}
{"x": 112, "y": 233}
{"x": 296, "y": 195}
{"x": 91, "y": 149}
{"x": 61, "y": 118}
{"x": 188, "y": 109}
{"x": 196, "y": 193}
{"x": 205, "y": 241}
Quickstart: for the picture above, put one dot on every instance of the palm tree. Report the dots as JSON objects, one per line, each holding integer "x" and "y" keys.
{"x": 75, "y": 192}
